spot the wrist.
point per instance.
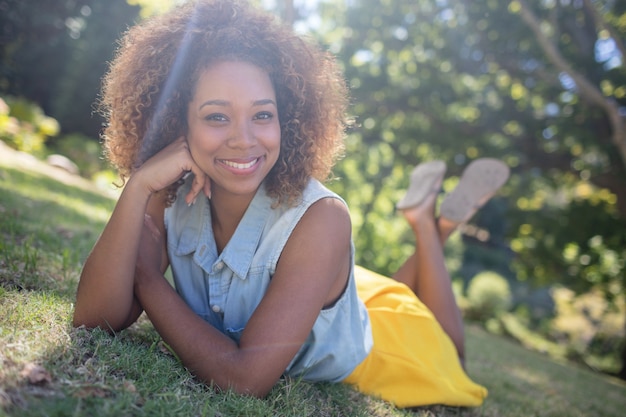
(135, 186)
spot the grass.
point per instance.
(48, 224)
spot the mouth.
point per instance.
(240, 165)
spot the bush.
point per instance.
(589, 326)
(24, 126)
(488, 296)
(84, 151)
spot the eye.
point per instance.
(264, 115)
(216, 117)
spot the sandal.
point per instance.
(425, 179)
(480, 180)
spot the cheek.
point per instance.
(202, 140)
(275, 135)
(267, 136)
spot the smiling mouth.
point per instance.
(239, 165)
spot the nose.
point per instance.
(242, 135)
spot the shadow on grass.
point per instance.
(46, 231)
(131, 374)
(524, 382)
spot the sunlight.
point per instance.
(526, 375)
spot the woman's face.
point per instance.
(234, 131)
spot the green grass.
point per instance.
(47, 227)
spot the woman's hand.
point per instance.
(170, 165)
(128, 248)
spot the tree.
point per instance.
(541, 86)
(55, 53)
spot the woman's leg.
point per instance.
(425, 271)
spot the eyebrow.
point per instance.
(225, 103)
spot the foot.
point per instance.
(479, 182)
(426, 178)
(422, 216)
(418, 205)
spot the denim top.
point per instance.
(225, 289)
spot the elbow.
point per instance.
(257, 390)
(82, 320)
(91, 321)
(245, 388)
(79, 321)
(92, 316)
(246, 383)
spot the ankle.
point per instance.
(424, 225)
(446, 226)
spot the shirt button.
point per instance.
(216, 308)
(219, 265)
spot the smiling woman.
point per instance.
(233, 128)
(224, 123)
(154, 77)
(257, 115)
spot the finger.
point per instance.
(197, 185)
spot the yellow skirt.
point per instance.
(413, 361)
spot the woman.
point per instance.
(224, 123)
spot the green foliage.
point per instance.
(585, 328)
(55, 53)
(590, 327)
(24, 126)
(462, 80)
(488, 296)
(152, 7)
(82, 150)
(591, 253)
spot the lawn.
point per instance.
(49, 221)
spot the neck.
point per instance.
(227, 210)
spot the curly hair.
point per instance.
(154, 74)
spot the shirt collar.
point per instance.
(240, 250)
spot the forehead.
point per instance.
(234, 77)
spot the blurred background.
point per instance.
(540, 84)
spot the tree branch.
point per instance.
(599, 21)
(588, 91)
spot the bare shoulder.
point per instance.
(326, 221)
(323, 234)
(318, 253)
(328, 212)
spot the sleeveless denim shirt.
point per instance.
(225, 289)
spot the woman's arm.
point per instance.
(312, 272)
(105, 296)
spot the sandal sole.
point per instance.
(480, 181)
(424, 179)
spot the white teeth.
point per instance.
(240, 166)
